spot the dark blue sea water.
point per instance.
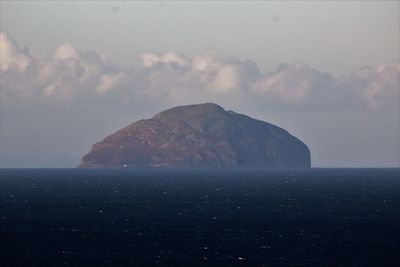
(105, 217)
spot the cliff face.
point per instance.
(203, 135)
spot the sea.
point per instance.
(158, 217)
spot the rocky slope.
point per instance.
(203, 135)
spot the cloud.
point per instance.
(295, 83)
(66, 51)
(380, 86)
(150, 59)
(11, 57)
(66, 75)
(164, 79)
(108, 81)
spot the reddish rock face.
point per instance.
(198, 136)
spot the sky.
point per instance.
(73, 72)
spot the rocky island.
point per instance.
(199, 136)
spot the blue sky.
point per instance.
(73, 72)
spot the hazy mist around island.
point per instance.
(74, 72)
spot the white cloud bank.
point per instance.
(70, 75)
(11, 57)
